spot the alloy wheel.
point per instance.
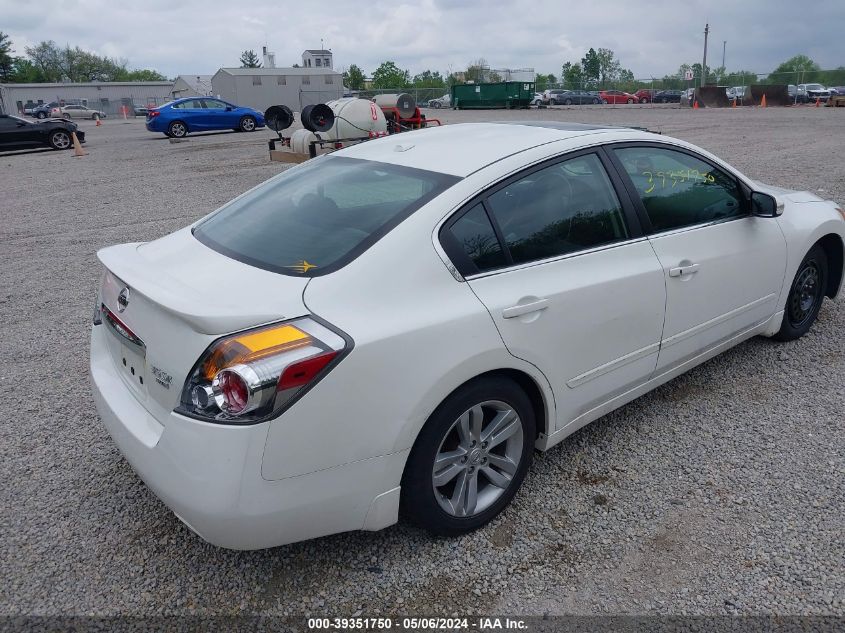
(477, 458)
(61, 140)
(248, 124)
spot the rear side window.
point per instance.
(567, 207)
(474, 233)
(678, 189)
(315, 218)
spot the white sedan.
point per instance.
(81, 112)
(394, 328)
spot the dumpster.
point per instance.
(506, 94)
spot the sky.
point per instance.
(651, 37)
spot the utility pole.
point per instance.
(724, 46)
(704, 61)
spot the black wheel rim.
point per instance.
(805, 295)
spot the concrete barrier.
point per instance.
(776, 95)
(712, 97)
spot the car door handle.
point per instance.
(525, 308)
(689, 269)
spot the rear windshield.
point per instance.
(317, 217)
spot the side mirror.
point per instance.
(764, 205)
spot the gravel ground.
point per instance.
(722, 492)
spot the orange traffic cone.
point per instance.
(99, 123)
(763, 102)
(77, 147)
(733, 103)
(695, 105)
(818, 102)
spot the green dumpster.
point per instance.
(506, 94)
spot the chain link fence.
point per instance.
(652, 91)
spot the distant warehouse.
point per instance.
(260, 88)
(192, 86)
(108, 97)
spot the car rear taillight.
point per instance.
(254, 375)
(152, 113)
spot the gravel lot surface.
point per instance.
(721, 492)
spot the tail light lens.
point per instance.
(254, 375)
(153, 113)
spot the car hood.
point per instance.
(791, 195)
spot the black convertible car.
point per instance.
(17, 133)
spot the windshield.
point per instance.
(315, 218)
(814, 87)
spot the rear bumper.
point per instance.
(210, 475)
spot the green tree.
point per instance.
(142, 74)
(429, 79)
(7, 62)
(389, 75)
(46, 58)
(477, 71)
(542, 82)
(249, 59)
(353, 78)
(591, 67)
(572, 75)
(797, 69)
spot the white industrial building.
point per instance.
(109, 97)
(317, 59)
(192, 86)
(260, 88)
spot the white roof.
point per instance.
(278, 71)
(462, 149)
(199, 83)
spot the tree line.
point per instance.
(48, 62)
(597, 69)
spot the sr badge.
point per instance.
(161, 376)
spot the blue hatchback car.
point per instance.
(200, 114)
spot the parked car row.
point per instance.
(56, 109)
(558, 96)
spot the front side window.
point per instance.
(567, 207)
(214, 104)
(315, 218)
(678, 189)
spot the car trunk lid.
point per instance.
(179, 296)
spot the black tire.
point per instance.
(805, 297)
(247, 124)
(595, 101)
(552, 102)
(41, 115)
(630, 101)
(567, 102)
(644, 100)
(177, 129)
(60, 139)
(419, 501)
(436, 105)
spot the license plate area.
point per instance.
(128, 352)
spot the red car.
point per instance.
(617, 96)
(644, 95)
